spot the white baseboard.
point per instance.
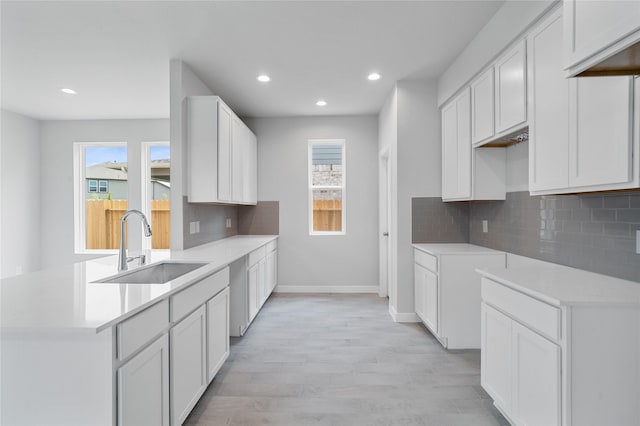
(326, 289)
(403, 316)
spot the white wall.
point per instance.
(510, 21)
(419, 170)
(19, 194)
(182, 83)
(337, 263)
(518, 167)
(409, 125)
(56, 179)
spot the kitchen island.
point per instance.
(76, 351)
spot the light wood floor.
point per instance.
(341, 360)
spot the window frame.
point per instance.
(106, 187)
(95, 184)
(311, 187)
(79, 179)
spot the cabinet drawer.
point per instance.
(257, 255)
(425, 259)
(539, 315)
(133, 333)
(271, 246)
(189, 299)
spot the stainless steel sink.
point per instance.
(157, 273)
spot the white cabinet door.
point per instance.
(225, 142)
(536, 378)
(431, 300)
(456, 148)
(271, 271)
(238, 149)
(511, 89)
(217, 332)
(600, 126)
(188, 364)
(594, 27)
(482, 107)
(419, 283)
(495, 345)
(263, 291)
(250, 169)
(253, 283)
(548, 106)
(143, 387)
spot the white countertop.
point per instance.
(561, 285)
(454, 248)
(66, 297)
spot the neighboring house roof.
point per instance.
(99, 171)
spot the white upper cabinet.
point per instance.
(482, 102)
(581, 136)
(599, 30)
(221, 153)
(511, 90)
(468, 173)
(549, 103)
(456, 148)
(499, 98)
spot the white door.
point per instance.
(188, 364)
(225, 118)
(536, 378)
(495, 352)
(384, 225)
(143, 387)
(600, 131)
(548, 107)
(511, 89)
(217, 332)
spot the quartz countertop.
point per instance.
(564, 286)
(67, 297)
(437, 249)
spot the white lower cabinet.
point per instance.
(188, 364)
(447, 290)
(143, 387)
(253, 279)
(217, 332)
(565, 363)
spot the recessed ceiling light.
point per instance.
(374, 76)
(321, 103)
(264, 78)
(68, 91)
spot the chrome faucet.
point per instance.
(123, 260)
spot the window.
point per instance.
(156, 192)
(99, 207)
(327, 207)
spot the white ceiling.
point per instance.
(116, 54)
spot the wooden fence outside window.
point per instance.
(103, 223)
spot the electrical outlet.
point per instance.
(228, 222)
(194, 227)
(638, 241)
(485, 226)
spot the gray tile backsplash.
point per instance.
(595, 232)
(436, 222)
(261, 219)
(212, 219)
